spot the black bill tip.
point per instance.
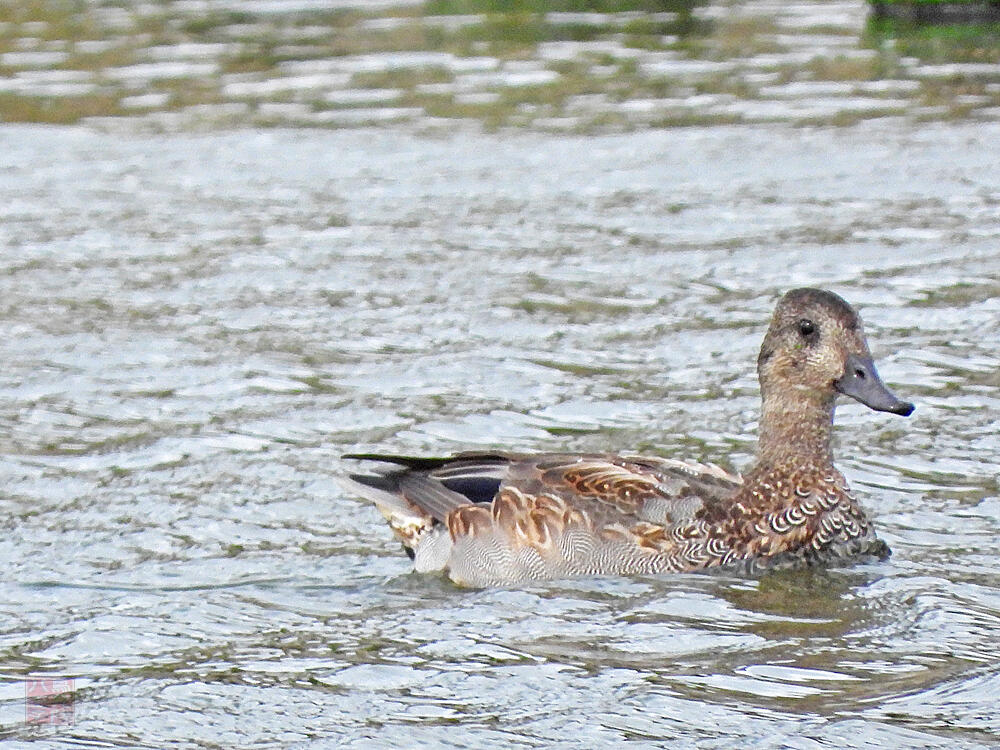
(904, 409)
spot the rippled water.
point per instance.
(548, 64)
(197, 325)
(195, 328)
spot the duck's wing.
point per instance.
(471, 493)
(621, 489)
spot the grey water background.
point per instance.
(200, 316)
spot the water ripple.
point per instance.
(199, 325)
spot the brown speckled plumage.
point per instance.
(500, 518)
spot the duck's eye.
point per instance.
(807, 327)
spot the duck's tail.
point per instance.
(408, 522)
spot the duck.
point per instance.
(497, 518)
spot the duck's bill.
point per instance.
(861, 381)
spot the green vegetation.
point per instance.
(938, 42)
(933, 2)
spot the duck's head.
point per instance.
(816, 348)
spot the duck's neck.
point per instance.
(795, 428)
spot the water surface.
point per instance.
(195, 328)
(199, 319)
(561, 65)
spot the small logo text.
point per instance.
(48, 700)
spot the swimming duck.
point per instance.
(497, 518)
